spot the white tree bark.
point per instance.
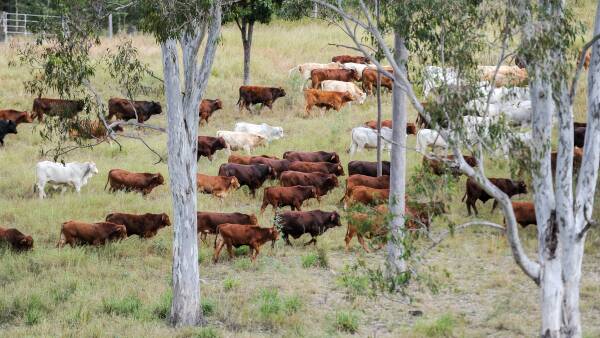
(396, 264)
(182, 118)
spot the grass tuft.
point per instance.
(130, 306)
(442, 327)
(346, 321)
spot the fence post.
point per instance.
(110, 26)
(25, 24)
(3, 20)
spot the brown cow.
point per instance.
(91, 129)
(325, 99)
(312, 156)
(208, 221)
(524, 213)
(74, 232)
(369, 79)
(319, 75)
(15, 116)
(317, 167)
(579, 136)
(314, 223)
(440, 166)
(366, 195)
(474, 192)
(381, 182)
(125, 109)
(368, 168)
(411, 129)
(323, 182)
(208, 145)
(369, 225)
(266, 96)
(55, 107)
(277, 165)
(243, 234)
(350, 59)
(586, 59)
(145, 225)
(218, 186)
(291, 196)
(207, 108)
(16, 239)
(120, 179)
(577, 159)
(252, 175)
(239, 159)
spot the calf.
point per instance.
(253, 176)
(125, 109)
(411, 129)
(367, 224)
(236, 235)
(323, 182)
(74, 174)
(120, 179)
(314, 156)
(362, 137)
(208, 145)
(145, 226)
(291, 196)
(6, 127)
(236, 140)
(270, 133)
(524, 213)
(317, 167)
(16, 116)
(218, 186)
(208, 221)
(381, 182)
(55, 107)
(207, 108)
(366, 195)
(367, 168)
(474, 192)
(319, 75)
(341, 87)
(369, 79)
(16, 239)
(266, 96)
(440, 167)
(315, 223)
(74, 232)
(350, 59)
(325, 99)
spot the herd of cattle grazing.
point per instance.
(301, 175)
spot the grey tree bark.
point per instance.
(247, 29)
(182, 118)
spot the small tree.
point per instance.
(245, 14)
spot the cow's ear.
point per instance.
(332, 217)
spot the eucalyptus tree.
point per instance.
(563, 201)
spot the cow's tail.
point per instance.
(61, 237)
(464, 196)
(107, 180)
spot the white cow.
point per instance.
(358, 67)
(305, 68)
(237, 140)
(434, 76)
(519, 113)
(341, 86)
(429, 138)
(363, 137)
(75, 174)
(270, 133)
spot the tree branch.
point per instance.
(584, 50)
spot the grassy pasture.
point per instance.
(469, 287)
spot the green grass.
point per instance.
(123, 289)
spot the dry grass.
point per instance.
(123, 289)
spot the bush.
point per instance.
(128, 306)
(318, 259)
(442, 327)
(34, 311)
(163, 308)
(208, 306)
(230, 283)
(275, 309)
(346, 321)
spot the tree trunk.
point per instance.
(185, 309)
(396, 264)
(247, 29)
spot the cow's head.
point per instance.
(26, 243)
(333, 179)
(362, 96)
(234, 183)
(217, 104)
(355, 75)
(347, 97)
(278, 92)
(119, 232)
(339, 170)
(278, 132)
(157, 179)
(164, 218)
(79, 105)
(334, 220)
(219, 144)
(24, 117)
(315, 193)
(521, 187)
(253, 219)
(335, 158)
(92, 168)
(11, 127)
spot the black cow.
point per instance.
(6, 127)
(474, 192)
(126, 110)
(367, 168)
(253, 175)
(315, 223)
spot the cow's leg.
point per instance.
(361, 240)
(218, 249)
(263, 207)
(287, 239)
(230, 250)
(313, 240)
(270, 105)
(494, 205)
(40, 187)
(255, 253)
(475, 207)
(348, 238)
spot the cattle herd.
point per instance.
(301, 175)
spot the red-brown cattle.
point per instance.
(74, 232)
(236, 235)
(323, 182)
(55, 107)
(367, 224)
(120, 179)
(277, 165)
(16, 116)
(288, 196)
(381, 182)
(524, 213)
(411, 129)
(266, 96)
(577, 159)
(369, 80)
(125, 109)
(474, 192)
(325, 99)
(368, 168)
(218, 186)
(440, 167)
(208, 145)
(91, 130)
(319, 75)
(16, 239)
(253, 175)
(366, 195)
(312, 156)
(350, 59)
(317, 167)
(314, 223)
(208, 221)
(144, 225)
(207, 108)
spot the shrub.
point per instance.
(128, 306)
(442, 327)
(318, 259)
(163, 307)
(34, 311)
(270, 303)
(230, 283)
(292, 304)
(346, 321)
(208, 306)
